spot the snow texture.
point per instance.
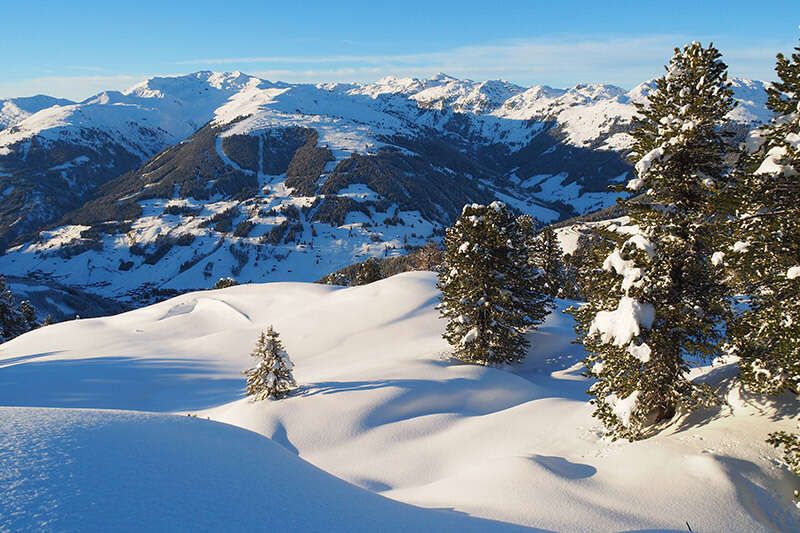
(378, 408)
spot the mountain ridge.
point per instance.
(176, 181)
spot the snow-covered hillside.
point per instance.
(92, 470)
(54, 153)
(381, 407)
(293, 181)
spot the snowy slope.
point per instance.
(381, 408)
(89, 470)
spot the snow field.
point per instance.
(381, 407)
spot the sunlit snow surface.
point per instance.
(380, 407)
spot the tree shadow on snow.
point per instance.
(724, 380)
(117, 383)
(280, 436)
(563, 468)
(25, 358)
(418, 397)
(759, 501)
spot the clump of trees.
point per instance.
(426, 257)
(712, 220)
(224, 283)
(15, 319)
(272, 375)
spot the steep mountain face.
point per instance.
(55, 153)
(272, 181)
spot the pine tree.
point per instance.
(578, 263)
(28, 313)
(272, 376)
(490, 295)
(655, 300)
(427, 257)
(766, 253)
(367, 272)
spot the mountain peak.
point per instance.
(441, 77)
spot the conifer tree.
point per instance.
(765, 254)
(655, 301)
(28, 313)
(490, 295)
(272, 376)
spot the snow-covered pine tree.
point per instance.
(765, 252)
(490, 295)
(272, 376)
(543, 259)
(655, 300)
(28, 313)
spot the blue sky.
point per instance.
(77, 48)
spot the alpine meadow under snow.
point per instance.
(379, 406)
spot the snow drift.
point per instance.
(90, 470)
(381, 407)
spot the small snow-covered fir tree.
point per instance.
(765, 247)
(490, 295)
(272, 376)
(655, 300)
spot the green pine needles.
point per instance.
(272, 376)
(765, 254)
(654, 299)
(490, 295)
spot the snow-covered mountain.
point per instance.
(55, 153)
(15, 110)
(380, 407)
(178, 181)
